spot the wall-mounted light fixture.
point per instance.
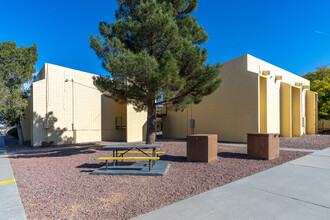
(305, 87)
(298, 84)
(266, 72)
(278, 77)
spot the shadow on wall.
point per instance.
(44, 129)
(144, 132)
(110, 110)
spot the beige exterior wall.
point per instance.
(136, 121)
(109, 130)
(296, 112)
(26, 122)
(230, 112)
(286, 110)
(256, 65)
(67, 108)
(311, 112)
(263, 104)
(247, 101)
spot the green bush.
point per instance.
(13, 132)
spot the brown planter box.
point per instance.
(202, 147)
(263, 145)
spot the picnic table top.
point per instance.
(130, 146)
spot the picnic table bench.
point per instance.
(120, 150)
(127, 158)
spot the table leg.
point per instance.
(114, 155)
(117, 156)
(154, 155)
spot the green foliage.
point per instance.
(16, 68)
(13, 132)
(153, 52)
(320, 83)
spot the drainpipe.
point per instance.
(72, 112)
(46, 125)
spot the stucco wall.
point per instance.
(26, 121)
(136, 125)
(247, 101)
(68, 108)
(230, 112)
(256, 65)
(111, 110)
(285, 110)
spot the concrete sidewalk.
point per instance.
(299, 189)
(10, 201)
(281, 148)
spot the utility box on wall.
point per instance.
(263, 145)
(202, 147)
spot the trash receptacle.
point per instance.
(202, 147)
(263, 145)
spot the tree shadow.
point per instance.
(236, 156)
(45, 129)
(53, 153)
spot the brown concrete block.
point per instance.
(263, 145)
(202, 147)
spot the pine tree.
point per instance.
(154, 55)
(16, 68)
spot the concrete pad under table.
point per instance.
(135, 168)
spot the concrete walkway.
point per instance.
(299, 189)
(10, 202)
(281, 148)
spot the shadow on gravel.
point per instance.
(89, 167)
(55, 153)
(237, 156)
(173, 158)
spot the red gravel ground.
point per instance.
(315, 142)
(59, 184)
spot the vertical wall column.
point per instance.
(296, 112)
(286, 111)
(316, 113)
(263, 104)
(311, 121)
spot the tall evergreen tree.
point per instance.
(16, 68)
(154, 55)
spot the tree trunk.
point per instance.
(20, 133)
(151, 123)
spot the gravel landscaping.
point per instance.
(59, 184)
(315, 142)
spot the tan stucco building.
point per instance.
(254, 96)
(65, 107)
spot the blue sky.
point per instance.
(291, 34)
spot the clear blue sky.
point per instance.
(291, 34)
